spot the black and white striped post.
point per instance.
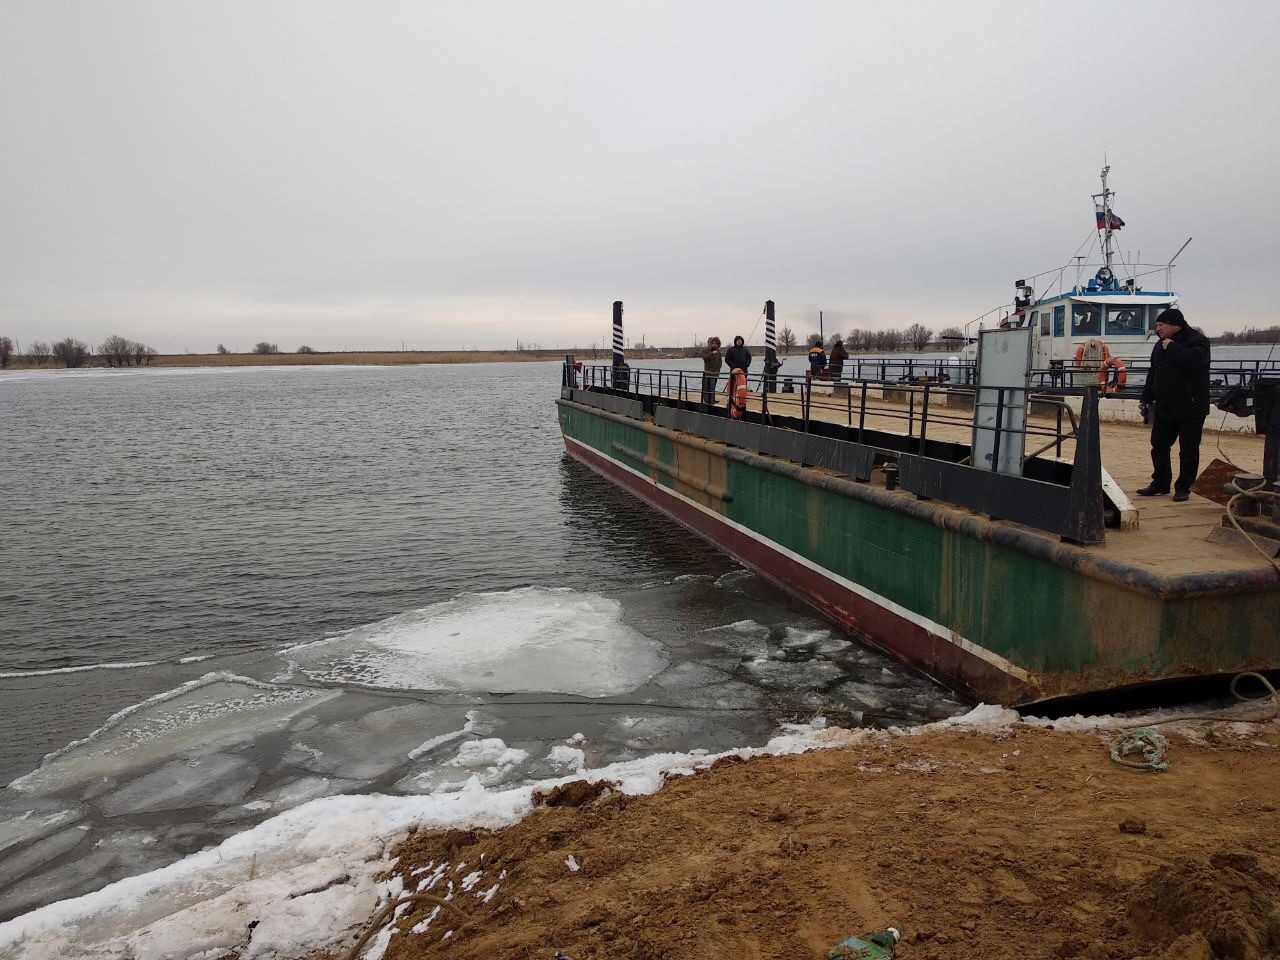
(771, 363)
(621, 372)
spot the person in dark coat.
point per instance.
(738, 357)
(711, 362)
(1177, 394)
(835, 363)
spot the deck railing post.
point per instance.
(621, 372)
(771, 363)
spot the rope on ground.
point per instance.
(1250, 495)
(1145, 741)
(1149, 744)
(388, 909)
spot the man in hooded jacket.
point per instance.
(738, 357)
(1177, 389)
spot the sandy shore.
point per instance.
(1027, 843)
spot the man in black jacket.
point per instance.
(738, 357)
(1178, 387)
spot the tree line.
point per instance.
(115, 351)
(915, 337)
(1249, 335)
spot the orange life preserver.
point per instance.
(737, 390)
(1104, 375)
(1097, 350)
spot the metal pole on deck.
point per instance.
(621, 372)
(771, 363)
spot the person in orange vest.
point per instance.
(817, 359)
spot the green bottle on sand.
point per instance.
(876, 945)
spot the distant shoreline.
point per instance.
(332, 358)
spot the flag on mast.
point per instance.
(1116, 222)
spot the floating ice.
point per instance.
(820, 640)
(527, 640)
(746, 638)
(702, 686)
(210, 780)
(568, 758)
(781, 675)
(374, 744)
(27, 822)
(216, 710)
(485, 763)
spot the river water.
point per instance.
(228, 591)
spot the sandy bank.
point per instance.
(1020, 844)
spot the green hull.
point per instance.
(1002, 613)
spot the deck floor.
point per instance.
(1171, 538)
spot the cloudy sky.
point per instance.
(459, 174)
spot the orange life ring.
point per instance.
(737, 390)
(1104, 375)
(1106, 354)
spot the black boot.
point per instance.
(1151, 490)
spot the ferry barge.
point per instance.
(980, 533)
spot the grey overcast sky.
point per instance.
(458, 174)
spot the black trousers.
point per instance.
(709, 388)
(1164, 431)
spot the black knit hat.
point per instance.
(1173, 317)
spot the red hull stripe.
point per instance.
(900, 632)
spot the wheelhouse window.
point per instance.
(1124, 321)
(1059, 321)
(1044, 322)
(1154, 311)
(1086, 320)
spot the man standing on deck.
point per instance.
(738, 357)
(817, 358)
(710, 370)
(835, 364)
(1178, 387)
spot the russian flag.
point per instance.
(1116, 222)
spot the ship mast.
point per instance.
(1106, 196)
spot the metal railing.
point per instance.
(915, 405)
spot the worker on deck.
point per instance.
(1177, 396)
(711, 362)
(817, 358)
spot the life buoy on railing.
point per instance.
(1104, 375)
(737, 393)
(1092, 351)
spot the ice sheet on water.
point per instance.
(31, 858)
(207, 780)
(703, 686)
(801, 675)
(818, 640)
(216, 710)
(24, 820)
(369, 746)
(745, 638)
(288, 795)
(485, 763)
(533, 639)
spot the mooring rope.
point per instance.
(1151, 745)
